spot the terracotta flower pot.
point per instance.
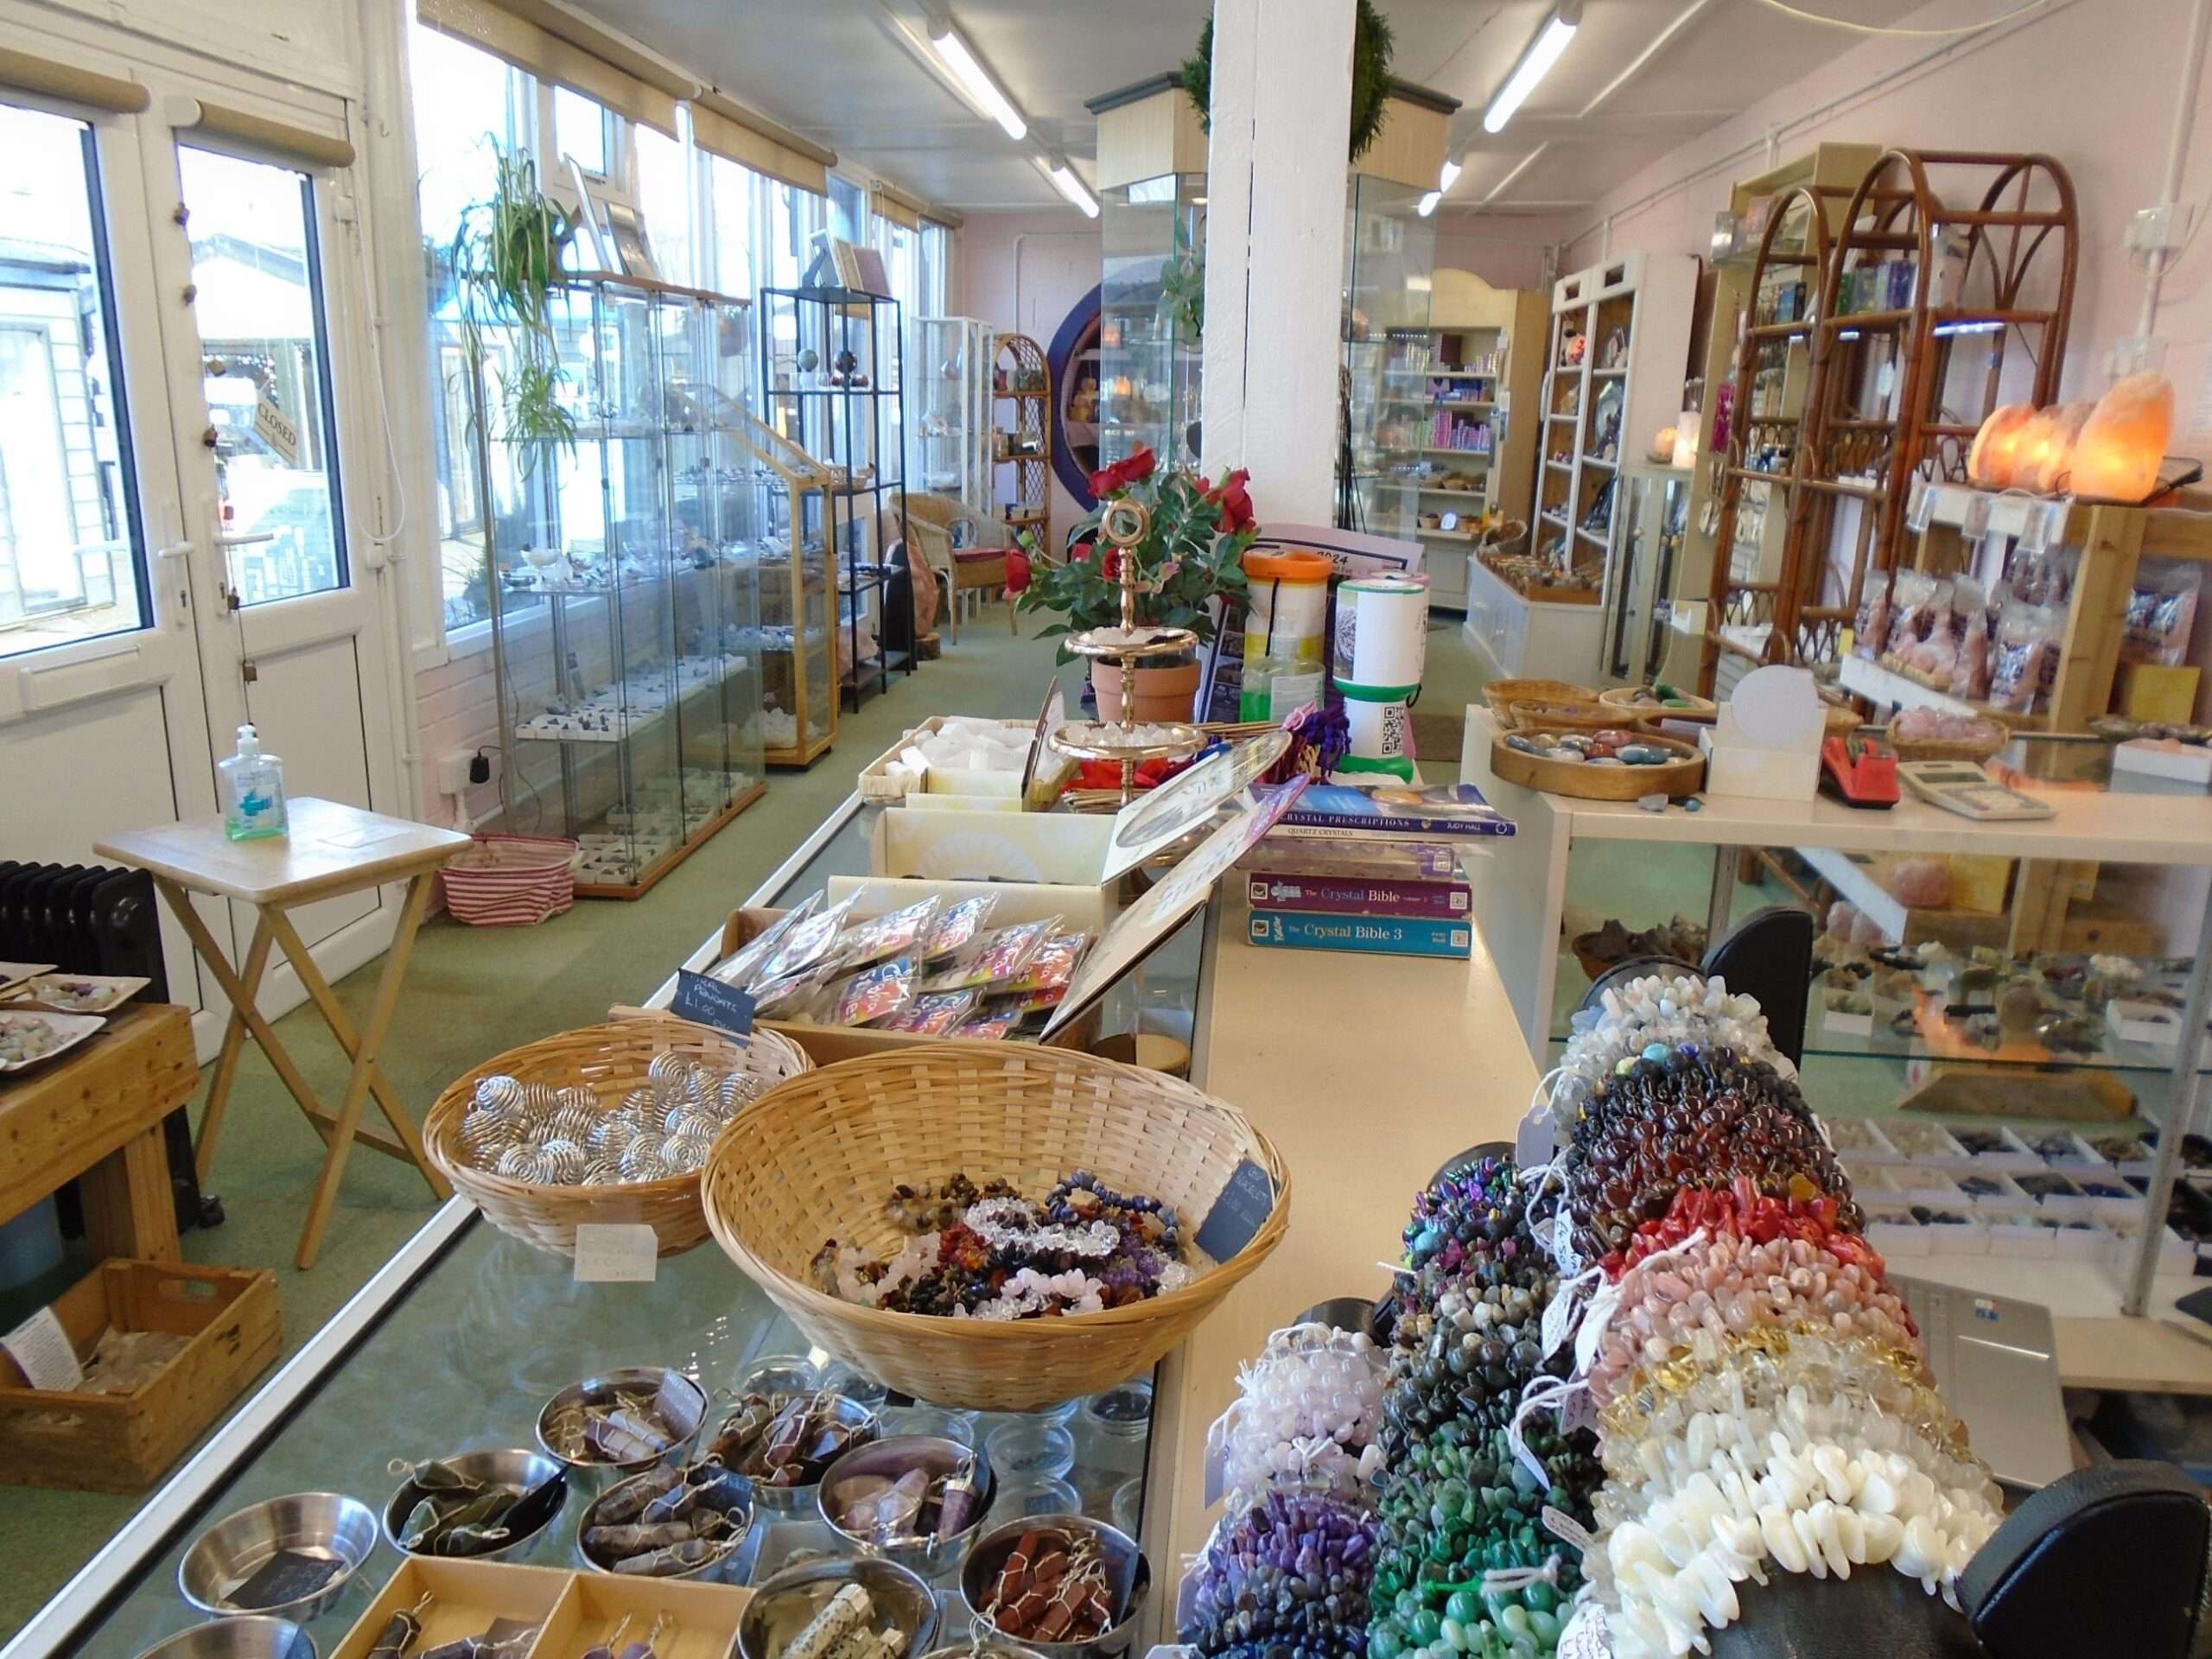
(1166, 693)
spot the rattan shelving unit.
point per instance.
(1021, 401)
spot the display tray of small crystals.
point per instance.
(991, 1230)
(606, 1124)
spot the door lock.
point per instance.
(209, 438)
(248, 673)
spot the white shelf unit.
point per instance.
(1510, 632)
(1601, 411)
(949, 443)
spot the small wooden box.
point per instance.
(123, 1442)
(573, 1611)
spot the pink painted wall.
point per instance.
(1504, 250)
(2085, 81)
(1020, 273)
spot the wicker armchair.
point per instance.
(933, 521)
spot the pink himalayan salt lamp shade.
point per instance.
(2044, 471)
(1997, 446)
(2117, 456)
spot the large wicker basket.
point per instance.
(610, 1061)
(816, 1158)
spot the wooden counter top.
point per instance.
(1367, 1072)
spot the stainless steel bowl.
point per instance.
(799, 1499)
(710, 1570)
(248, 1636)
(517, 1468)
(990, 1648)
(1124, 1563)
(890, 1458)
(325, 1525)
(685, 1399)
(783, 1605)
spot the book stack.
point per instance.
(1379, 871)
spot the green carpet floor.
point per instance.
(471, 993)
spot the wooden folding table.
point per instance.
(331, 850)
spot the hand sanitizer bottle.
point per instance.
(253, 791)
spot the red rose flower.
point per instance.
(1017, 571)
(1111, 569)
(1112, 480)
(1082, 551)
(1234, 501)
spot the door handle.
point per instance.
(245, 541)
(179, 554)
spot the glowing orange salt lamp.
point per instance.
(1663, 446)
(1997, 446)
(2046, 469)
(2117, 456)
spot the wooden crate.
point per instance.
(573, 1611)
(123, 1442)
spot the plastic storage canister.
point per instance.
(1286, 626)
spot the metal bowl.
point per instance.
(705, 1570)
(781, 1606)
(799, 1498)
(992, 1649)
(325, 1525)
(1353, 1313)
(1116, 1547)
(891, 1459)
(252, 1636)
(685, 1398)
(518, 1468)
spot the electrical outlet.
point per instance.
(452, 771)
(2161, 229)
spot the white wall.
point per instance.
(1020, 273)
(1504, 250)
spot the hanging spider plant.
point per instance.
(506, 261)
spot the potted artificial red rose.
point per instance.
(1192, 554)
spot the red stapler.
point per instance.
(1859, 771)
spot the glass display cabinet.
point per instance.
(949, 449)
(1390, 429)
(623, 574)
(1151, 313)
(833, 386)
(1642, 569)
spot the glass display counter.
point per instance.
(459, 1342)
(1395, 418)
(1152, 237)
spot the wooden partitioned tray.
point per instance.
(1585, 782)
(1502, 693)
(573, 1611)
(1703, 710)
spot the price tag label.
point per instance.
(2044, 522)
(1976, 522)
(1239, 1213)
(616, 1253)
(1586, 1636)
(44, 1351)
(708, 1002)
(1565, 1528)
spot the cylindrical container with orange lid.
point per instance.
(1286, 629)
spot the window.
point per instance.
(469, 106)
(71, 560)
(848, 215)
(664, 197)
(733, 191)
(580, 132)
(257, 275)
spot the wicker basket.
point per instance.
(1503, 694)
(610, 1061)
(1699, 710)
(1562, 714)
(1975, 751)
(815, 1159)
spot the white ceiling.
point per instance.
(856, 75)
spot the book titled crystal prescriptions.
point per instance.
(1392, 810)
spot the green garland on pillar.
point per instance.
(1370, 76)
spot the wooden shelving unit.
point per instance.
(1611, 377)
(800, 591)
(1021, 401)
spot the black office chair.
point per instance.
(1768, 955)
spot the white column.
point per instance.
(1275, 248)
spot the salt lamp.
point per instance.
(1989, 463)
(1662, 445)
(2032, 449)
(2047, 472)
(1686, 439)
(2117, 456)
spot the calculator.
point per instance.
(1957, 786)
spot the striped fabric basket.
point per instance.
(510, 880)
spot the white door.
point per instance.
(186, 506)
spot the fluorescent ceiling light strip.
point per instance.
(1535, 63)
(1447, 175)
(1427, 204)
(1066, 181)
(982, 87)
